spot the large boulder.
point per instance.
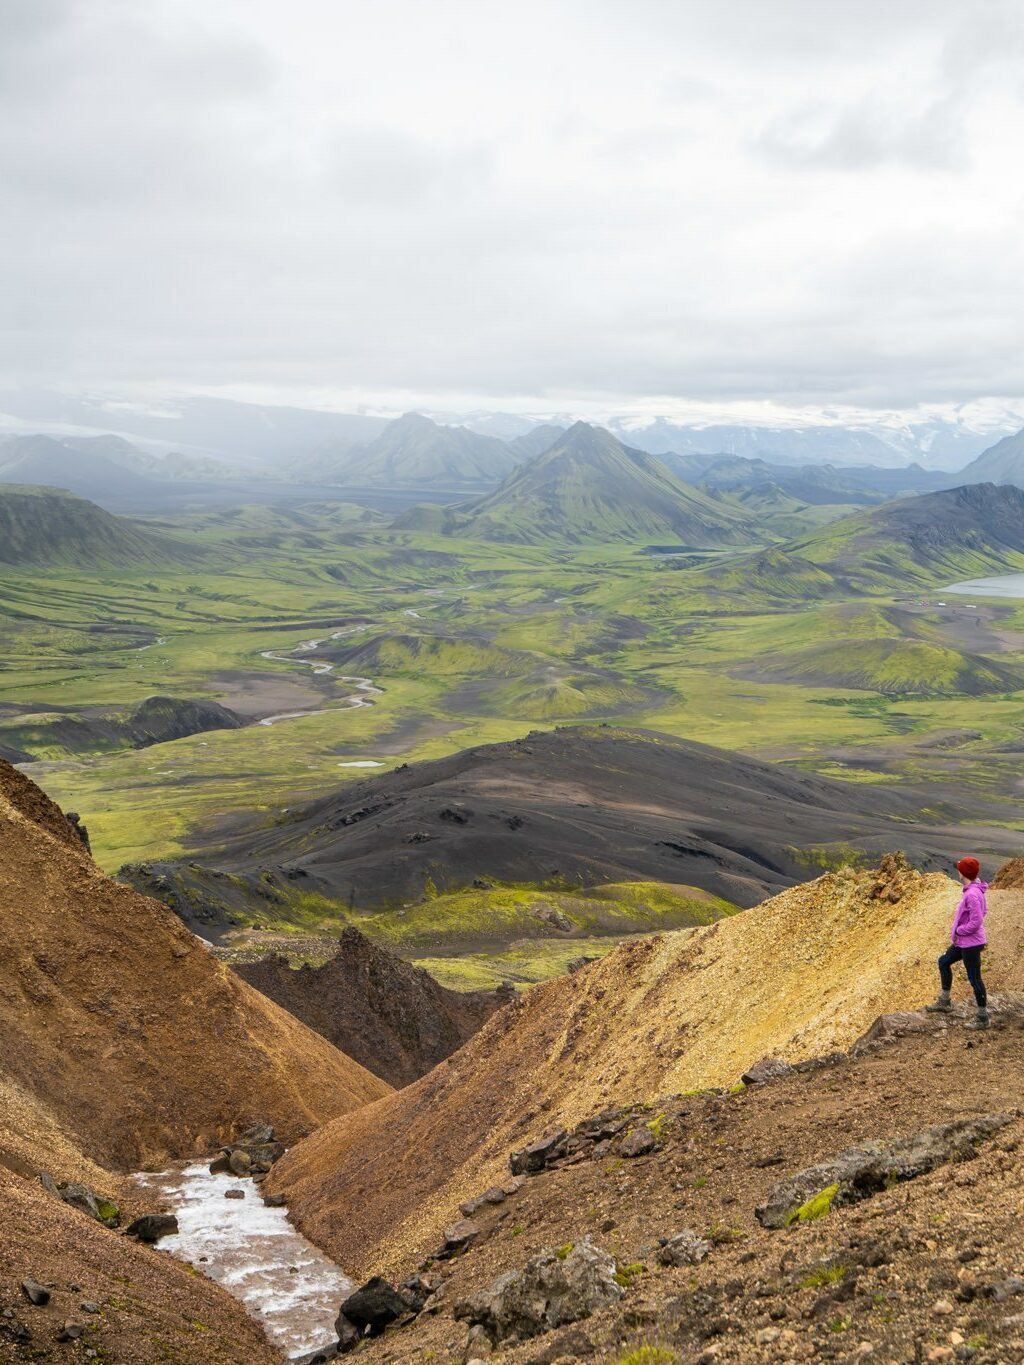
(871, 1167)
(372, 1308)
(553, 1289)
(767, 1069)
(86, 1200)
(150, 1227)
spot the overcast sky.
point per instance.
(467, 203)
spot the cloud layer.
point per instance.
(583, 200)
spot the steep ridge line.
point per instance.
(801, 974)
(391, 1017)
(108, 1001)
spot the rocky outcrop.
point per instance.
(393, 1018)
(252, 1153)
(552, 1289)
(631, 1132)
(862, 1171)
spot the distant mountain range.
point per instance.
(414, 456)
(414, 450)
(938, 445)
(250, 434)
(275, 437)
(814, 484)
(588, 486)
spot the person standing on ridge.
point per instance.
(968, 943)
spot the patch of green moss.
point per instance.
(650, 1355)
(626, 1275)
(659, 1126)
(563, 1251)
(824, 1275)
(817, 1206)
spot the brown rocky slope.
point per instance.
(124, 1043)
(802, 974)
(918, 1259)
(392, 1017)
(122, 1027)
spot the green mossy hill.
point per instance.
(479, 917)
(894, 667)
(915, 542)
(500, 681)
(589, 487)
(415, 450)
(157, 720)
(438, 655)
(551, 695)
(48, 527)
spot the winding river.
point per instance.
(365, 688)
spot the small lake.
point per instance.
(1001, 585)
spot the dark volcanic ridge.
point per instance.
(576, 806)
(33, 733)
(391, 1017)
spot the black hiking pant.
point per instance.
(971, 958)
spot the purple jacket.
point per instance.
(969, 921)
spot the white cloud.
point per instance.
(557, 204)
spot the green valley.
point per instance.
(294, 650)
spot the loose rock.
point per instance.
(37, 1294)
(373, 1307)
(862, 1171)
(767, 1069)
(685, 1248)
(550, 1291)
(536, 1155)
(152, 1226)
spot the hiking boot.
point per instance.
(980, 1020)
(943, 1004)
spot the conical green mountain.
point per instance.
(590, 487)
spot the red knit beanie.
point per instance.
(969, 868)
